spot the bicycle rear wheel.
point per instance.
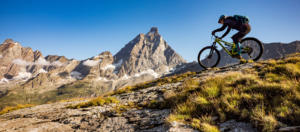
(208, 57)
(252, 48)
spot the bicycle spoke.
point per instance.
(208, 57)
(251, 49)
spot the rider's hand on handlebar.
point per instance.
(217, 37)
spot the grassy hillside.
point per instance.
(267, 95)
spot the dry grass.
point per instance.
(125, 107)
(73, 99)
(266, 95)
(13, 108)
(99, 101)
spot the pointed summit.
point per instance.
(147, 53)
(8, 41)
(154, 30)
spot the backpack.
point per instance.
(241, 19)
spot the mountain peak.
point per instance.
(8, 41)
(154, 29)
(146, 52)
(153, 33)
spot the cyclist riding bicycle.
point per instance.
(240, 23)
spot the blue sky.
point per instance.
(83, 28)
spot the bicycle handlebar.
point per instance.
(216, 36)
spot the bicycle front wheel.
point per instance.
(208, 57)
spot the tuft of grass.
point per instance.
(124, 107)
(283, 111)
(205, 127)
(191, 84)
(99, 101)
(271, 77)
(259, 118)
(201, 100)
(13, 108)
(72, 99)
(177, 117)
(293, 60)
(155, 104)
(289, 70)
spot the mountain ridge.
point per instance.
(34, 73)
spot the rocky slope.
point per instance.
(150, 106)
(130, 114)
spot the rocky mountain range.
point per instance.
(146, 57)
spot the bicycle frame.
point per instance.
(220, 41)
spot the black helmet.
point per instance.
(221, 18)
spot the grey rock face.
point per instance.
(147, 51)
(234, 126)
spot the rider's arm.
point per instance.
(219, 29)
(227, 31)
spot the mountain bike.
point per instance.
(209, 57)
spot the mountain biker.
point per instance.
(239, 23)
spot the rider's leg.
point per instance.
(245, 29)
(236, 39)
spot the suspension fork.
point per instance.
(212, 50)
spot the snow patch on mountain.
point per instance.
(21, 62)
(109, 66)
(91, 63)
(119, 63)
(42, 71)
(169, 70)
(149, 71)
(113, 66)
(23, 76)
(76, 75)
(4, 80)
(103, 79)
(57, 63)
(40, 61)
(125, 77)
